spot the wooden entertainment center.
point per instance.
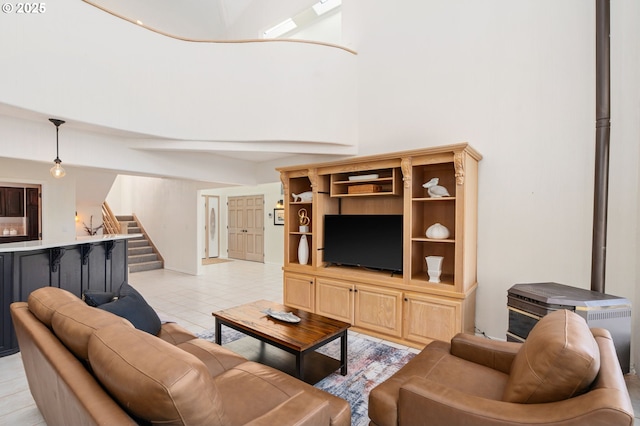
(405, 307)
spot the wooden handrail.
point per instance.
(111, 224)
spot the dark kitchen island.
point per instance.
(97, 263)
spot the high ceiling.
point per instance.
(212, 20)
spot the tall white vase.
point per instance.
(434, 268)
(303, 250)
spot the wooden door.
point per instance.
(254, 228)
(246, 227)
(236, 220)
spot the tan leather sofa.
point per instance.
(86, 366)
(563, 374)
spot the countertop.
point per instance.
(43, 244)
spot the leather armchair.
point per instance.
(564, 374)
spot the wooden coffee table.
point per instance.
(285, 339)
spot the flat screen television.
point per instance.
(368, 241)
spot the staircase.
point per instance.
(142, 255)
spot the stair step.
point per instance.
(134, 251)
(145, 266)
(138, 244)
(141, 255)
(142, 258)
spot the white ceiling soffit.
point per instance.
(254, 151)
(263, 146)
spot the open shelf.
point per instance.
(380, 182)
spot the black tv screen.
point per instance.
(369, 241)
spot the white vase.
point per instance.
(434, 268)
(437, 231)
(303, 250)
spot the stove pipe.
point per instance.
(603, 126)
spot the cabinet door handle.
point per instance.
(310, 282)
(406, 300)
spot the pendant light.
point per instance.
(57, 171)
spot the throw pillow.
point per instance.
(131, 305)
(96, 298)
(559, 360)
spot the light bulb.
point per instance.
(57, 171)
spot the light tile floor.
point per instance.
(189, 300)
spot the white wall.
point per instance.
(168, 211)
(517, 81)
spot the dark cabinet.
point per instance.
(6, 328)
(33, 213)
(98, 265)
(11, 202)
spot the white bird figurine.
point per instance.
(303, 196)
(435, 190)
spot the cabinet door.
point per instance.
(430, 318)
(14, 202)
(32, 213)
(299, 291)
(6, 329)
(379, 310)
(334, 299)
(3, 196)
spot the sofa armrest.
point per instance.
(175, 334)
(301, 409)
(425, 402)
(491, 353)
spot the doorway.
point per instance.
(211, 226)
(246, 227)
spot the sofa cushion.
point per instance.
(74, 323)
(216, 358)
(559, 359)
(131, 305)
(264, 388)
(44, 301)
(175, 334)
(153, 379)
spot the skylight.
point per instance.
(282, 28)
(324, 6)
(304, 19)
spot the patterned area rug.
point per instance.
(369, 363)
